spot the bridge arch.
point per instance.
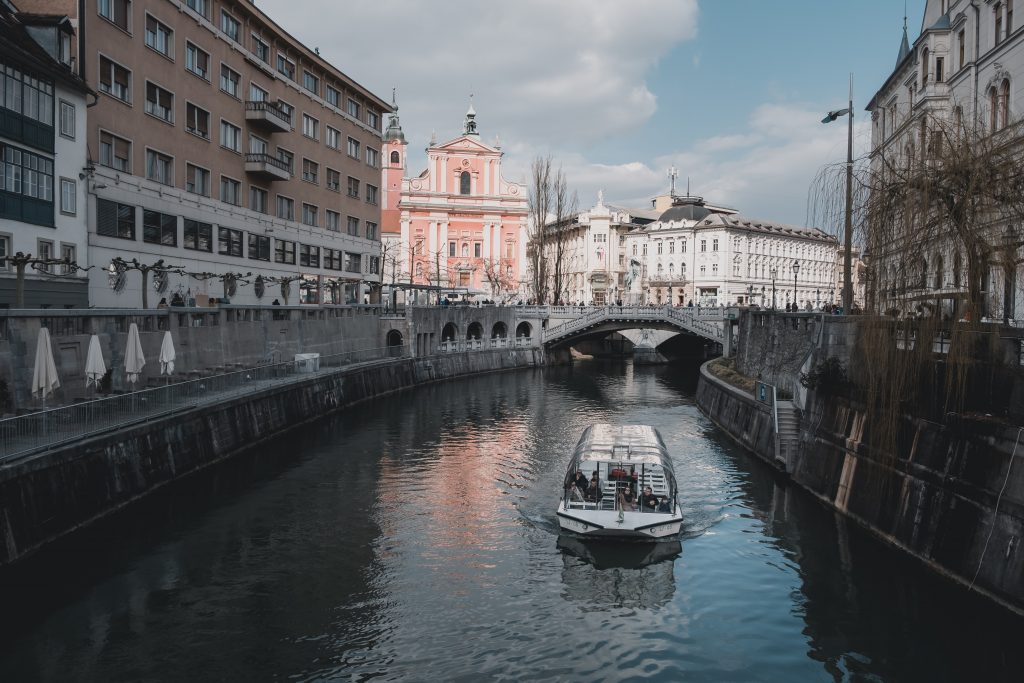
(475, 330)
(499, 331)
(449, 332)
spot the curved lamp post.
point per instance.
(848, 234)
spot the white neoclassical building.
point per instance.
(966, 66)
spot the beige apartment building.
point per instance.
(223, 146)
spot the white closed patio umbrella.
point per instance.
(95, 368)
(44, 373)
(133, 358)
(167, 356)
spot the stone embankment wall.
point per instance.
(48, 495)
(951, 496)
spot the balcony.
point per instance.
(267, 167)
(268, 116)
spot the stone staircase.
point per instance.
(788, 432)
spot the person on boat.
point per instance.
(663, 506)
(594, 488)
(648, 501)
(626, 498)
(580, 481)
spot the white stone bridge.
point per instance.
(568, 324)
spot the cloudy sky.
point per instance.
(729, 91)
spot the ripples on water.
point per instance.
(414, 538)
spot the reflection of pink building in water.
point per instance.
(457, 224)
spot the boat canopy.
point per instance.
(639, 444)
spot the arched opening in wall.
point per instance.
(395, 158)
(474, 331)
(394, 343)
(524, 329)
(464, 182)
(449, 332)
(499, 331)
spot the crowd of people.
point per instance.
(590, 490)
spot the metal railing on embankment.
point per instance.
(48, 428)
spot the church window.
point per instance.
(395, 159)
(464, 183)
(1004, 103)
(938, 70)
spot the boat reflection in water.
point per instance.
(626, 574)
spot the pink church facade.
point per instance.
(459, 224)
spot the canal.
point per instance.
(414, 539)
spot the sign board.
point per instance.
(763, 392)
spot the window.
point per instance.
(333, 180)
(200, 7)
(353, 226)
(671, 247)
(1009, 17)
(333, 221)
(1004, 102)
(371, 231)
(285, 208)
(257, 94)
(159, 167)
(229, 242)
(353, 262)
(229, 80)
(332, 259)
(259, 247)
(115, 152)
(310, 127)
(333, 139)
(939, 76)
(68, 196)
(286, 67)
(159, 228)
(68, 255)
(353, 187)
(159, 36)
(44, 249)
(309, 256)
(197, 121)
(230, 191)
(703, 245)
(116, 12)
(371, 194)
(159, 102)
(115, 220)
(353, 148)
(197, 180)
(230, 26)
(452, 249)
(396, 158)
(332, 95)
(261, 49)
(660, 247)
(197, 61)
(115, 80)
(287, 158)
(198, 236)
(257, 145)
(310, 171)
(373, 119)
(372, 157)
(26, 95)
(310, 214)
(476, 249)
(287, 110)
(464, 182)
(714, 244)
(230, 136)
(310, 82)
(352, 107)
(998, 9)
(258, 199)
(961, 40)
(993, 109)
(284, 252)
(67, 119)
(924, 67)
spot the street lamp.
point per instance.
(796, 271)
(762, 295)
(848, 236)
(773, 272)
(817, 298)
(750, 294)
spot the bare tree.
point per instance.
(498, 278)
(564, 210)
(21, 261)
(552, 211)
(391, 262)
(157, 268)
(540, 204)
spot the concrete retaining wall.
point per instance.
(953, 497)
(51, 494)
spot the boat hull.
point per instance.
(612, 524)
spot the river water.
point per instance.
(414, 538)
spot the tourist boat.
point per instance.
(624, 458)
